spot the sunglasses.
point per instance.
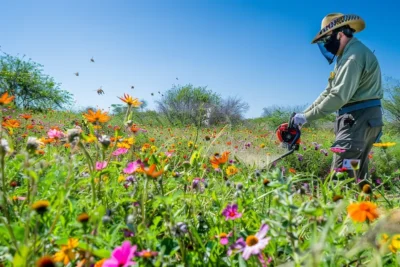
(325, 39)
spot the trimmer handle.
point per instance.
(290, 124)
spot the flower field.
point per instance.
(94, 189)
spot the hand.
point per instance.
(299, 119)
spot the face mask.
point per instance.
(329, 49)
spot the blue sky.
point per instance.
(259, 51)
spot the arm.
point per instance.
(318, 100)
(347, 81)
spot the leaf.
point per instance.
(242, 263)
(21, 257)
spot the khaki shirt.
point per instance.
(356, 77)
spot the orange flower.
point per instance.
(11, 123)
(5, 99)
(26, 116)
(292, 170)
(152, 139)
(216, 160)
(96, 116)
(131, 101)
(360, 212)
(100, 263)
(29, 126)
(151, 171)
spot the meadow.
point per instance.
(93, 189)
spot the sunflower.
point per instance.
(360, 212)
(131, 101)
(45, 261)
(97, 116)
(231, 170)
(5, 99)
(66, 254)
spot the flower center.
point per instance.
(251, 240)
(232, 213)
(223, 235)
(146, 254)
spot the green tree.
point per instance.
(391, 102)
(31, 87)
(187, 104)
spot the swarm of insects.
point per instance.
(100, 91)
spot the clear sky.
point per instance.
(259, 51)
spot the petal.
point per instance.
(247, 253)
(224, 241)
(111, 263)
(263, 231)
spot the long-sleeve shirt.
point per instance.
(356, 77)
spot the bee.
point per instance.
(132, 87)
(176, 78)
(76, 73)
(92, 60)
(100, 91)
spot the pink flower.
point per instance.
(337, 150)
(256, 243)
(168, 154)
(120, 151)
(231, 213)
(223, 238)
(133, 166)
(101, 165)
(55, 134)
(121, 256)
(147, 253)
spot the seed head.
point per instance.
(40, 206)
(83, 218)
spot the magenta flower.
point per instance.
(223, 238)
(121, 256)
(337, 150)
(146, 253)
(55, 134)
(101, 165)
(133, 166)
(231, 212)
(256, 243)
(120, 151)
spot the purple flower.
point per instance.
(133, 166)
(337, 150)
(101, 165)
(300, 157)
(323, 151)
(121, 256)
(378, 181)
(120, 151)
(231, 212)
(239, 245)
(256, 243)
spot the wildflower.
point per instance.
(299, 157)
(367, 189)
(384, 145)
(256, 243)
(355, 164)
(101, 165)
(5, 99)
(33, 144)
(217, 160)
(262, 145)
(40, 206)
(120, 151)
(395, 244)
(151, 171)
(46, 261)
(207, 138)
(83, 218)
(11, 123)
(238, 246)
(292, 170)
(26, 116)
(223, 238)
(95, 117)
(323, 151)
(145, 147)
(67, 254)
(231, 170)
(190, 144)
(55, 134)
(343, 169)
(147, 254)
(239, 186)
(266, 182)
(231, 212)
(360, 212)
(100, 263)
(133, 166)
(180, 229)
(337, 150)
(4, 147)
(128, 233)
(131, 101)
(105, 141)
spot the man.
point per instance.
(354, 91)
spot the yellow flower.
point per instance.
(384, 145)
(262, 145)
(126, 143)
(121, 178)
(66, 254)
(91, 138)
(231, 170)
(190, 144)
(145, 147)
(395, 244)
(131, 101)
(153, 149)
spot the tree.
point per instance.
(231, 110)
(32, 89)
(187, 104)
(391, 102)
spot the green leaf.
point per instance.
(21, 257)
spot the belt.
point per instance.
(359, 105)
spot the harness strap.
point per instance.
(360, 105)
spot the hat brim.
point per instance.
(355, 22)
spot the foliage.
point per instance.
(391, 102)
(32, 88)
(231, 111)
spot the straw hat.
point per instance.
(336, 20)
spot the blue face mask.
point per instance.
(328, 55)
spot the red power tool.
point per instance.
(289, 136)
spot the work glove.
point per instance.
(299, 119)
